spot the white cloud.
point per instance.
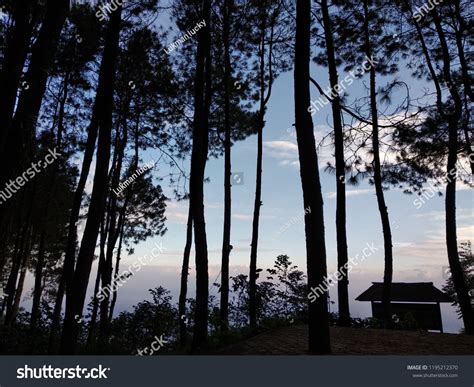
(351, 192)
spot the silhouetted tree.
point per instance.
(319, 340)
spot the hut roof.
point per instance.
(406, 291)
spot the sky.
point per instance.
(418, 233)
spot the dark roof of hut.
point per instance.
(407, 292)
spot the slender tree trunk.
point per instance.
(51, 181)
(466, 79)
(452, 118)
(460, 286)
(319, 340)
(459, 34)
(342, 254)
(198, 165)
(10, 318)
(184, 280)
(21, 136)
(258, 180)
(112, 232)
(116, 273)
(35, 309)
(69, 259)
(13, 63)
(462, 290)
(17, 260)
(226, 246)
(92, 334)
(255, 227)
(387, 233)
(15, 269)
(16, 249)
(76, 294)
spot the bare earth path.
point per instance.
(354, 341)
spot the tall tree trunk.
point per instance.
(258, 180)
(255, 227)
(319, 340)
(51, 181)
(21, 135)
(459, 34)
(387, 233)
(341, 235)
(113, 233)
(16, 249)
(466, 79)
(92, 334)
(13, 63)
(226, 246)
(452, 118)
(116, 272)
(17, 259)
(460, 286)
(462, 289)
(70, 254)
(184, 280)
(15, 269)
(76, 294)
(198, 166)
(11, 317)
(35, 309)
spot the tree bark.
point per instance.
(226, 246)
(387, 233)
(452, 118)
(116, 273)
(35, 309)
(76, 294)
(112, 233)
(462, 289)
(319, 340)
(198, 166)
(258, 180)
(21, 135)
(184, 280)
(70, 256)
(341, 234)
(13, 63)
(11, 315)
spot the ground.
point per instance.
(293, 340)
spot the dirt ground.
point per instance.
(354, 341)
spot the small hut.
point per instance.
(420, 299)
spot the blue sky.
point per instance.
(418, 234)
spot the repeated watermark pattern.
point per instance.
(237, 178)
(331, 279)
(159, 341)
(429, 192)
(122, 278)
(421, 12)
(336, 91)
(13, 186)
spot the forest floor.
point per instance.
(293, 340)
